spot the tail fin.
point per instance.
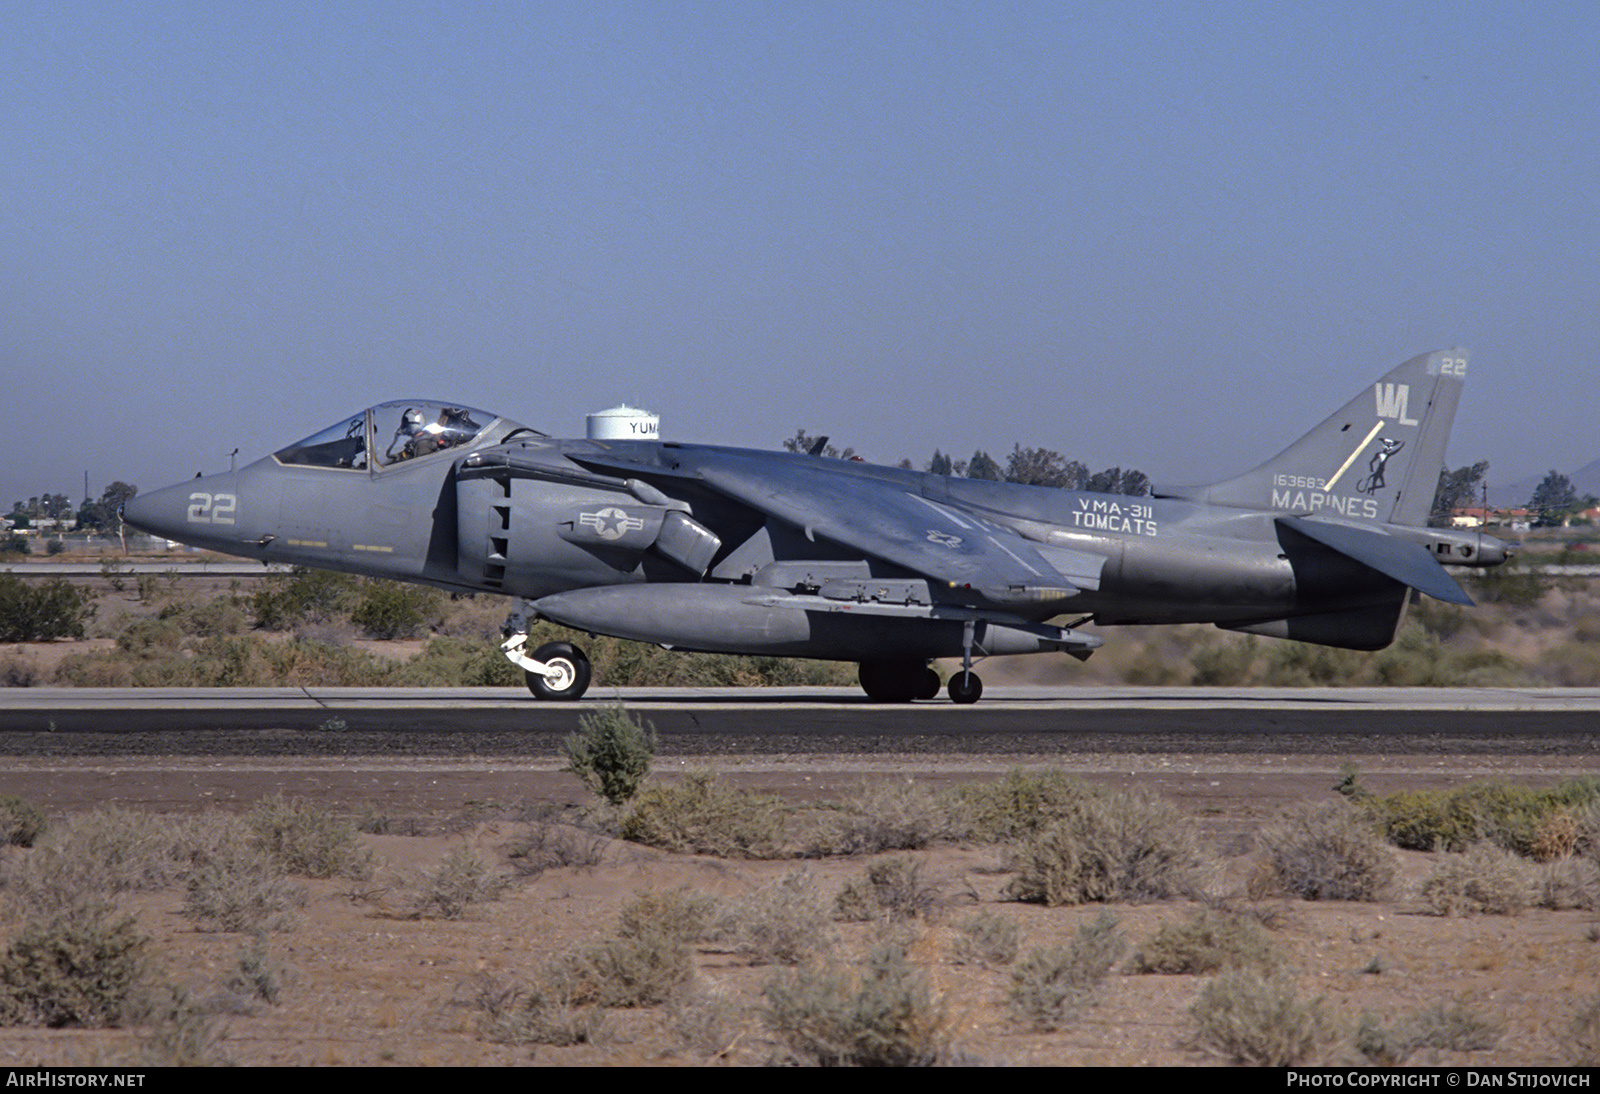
(1378, 459)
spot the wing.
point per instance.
(883, 519)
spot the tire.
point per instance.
(930, 684)
(891, 681)
(965, 687)
(571, 681)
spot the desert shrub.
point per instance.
(884, 1015)
(536, 1014)
(308, 841)
(895, 888)
(1570, 883)
(90, 857)
(180, 1033)
(985, 939)
(706, 1022)
(545, 846)
(1484, 881)
(243, 890)
(43, 611)
(304, 596)
(1016, 806)
(1513, 582)
(635, 971)
(256, 974)
(207, 618)
(82, 969)
(1455, 1027)
(388, 609)
(1223, 661)
(700, 815)
(650, 961)
(456, 662)
(780, 923)
(16, 544)
(21, 823)
(17, 671)
(611, 753)
(1050, 986)
(147, 639)
(462, 880)
(153, 653)
(892, 816)
(1107, 846)
(1301, 664)
(1583, 1033)
(1514, 817)
(1207, 942)
(1248, 1018)
(1325, 853)
(1556, 836)
(678, 915)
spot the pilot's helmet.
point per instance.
(412, 421)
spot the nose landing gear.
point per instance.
(557, 670)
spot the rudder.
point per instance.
(1376, 460)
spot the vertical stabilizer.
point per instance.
(1377, 460)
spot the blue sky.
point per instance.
(1168, 236)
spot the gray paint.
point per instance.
(745, 551)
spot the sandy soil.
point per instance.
(367, 987)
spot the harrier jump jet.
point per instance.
(728, 550)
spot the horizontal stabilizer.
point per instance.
(1391, 556)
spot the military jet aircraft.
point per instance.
(728, 550)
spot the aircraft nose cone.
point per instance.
(160, 512)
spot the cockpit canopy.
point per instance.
(393, 433)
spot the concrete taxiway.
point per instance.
(448, 721)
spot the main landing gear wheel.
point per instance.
(965, 687)
(569, 672)
(897, 681)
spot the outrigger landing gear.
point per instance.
(965, 687)
(557, 670)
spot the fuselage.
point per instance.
(435, 521)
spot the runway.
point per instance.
(747, 721)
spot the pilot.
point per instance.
(415, 436)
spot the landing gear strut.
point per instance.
(557, 670)
(965, 687)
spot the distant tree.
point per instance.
(1136, 484)
(940, 464)
(1553, 499)
(804, 442)
(102, 514)
(1043, 467)
(1458, 489)
(982, 466)
(19, 516)
(1114, 480)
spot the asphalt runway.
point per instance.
(798, 721)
